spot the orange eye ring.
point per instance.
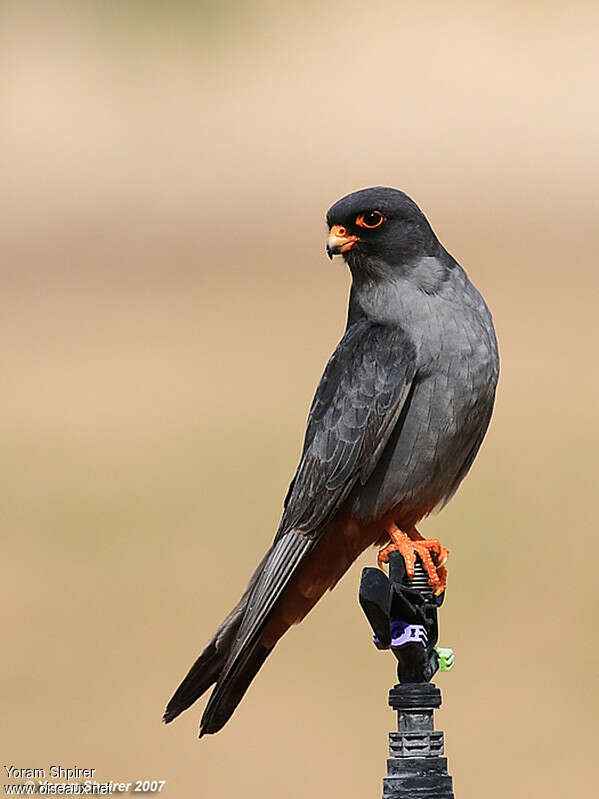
(370, 219)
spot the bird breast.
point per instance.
(449, 407)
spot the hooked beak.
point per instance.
(340, 241)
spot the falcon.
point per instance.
(397, 420)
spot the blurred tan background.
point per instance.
(167, 311)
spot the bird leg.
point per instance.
(412, 544)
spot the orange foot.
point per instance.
(425, 548)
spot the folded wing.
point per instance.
(356, 406)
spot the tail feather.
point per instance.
(207, 668)
(234, 656)
(199, 678)
(222, 703)
(248, 652)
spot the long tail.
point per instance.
(207, 668)
(235, 654)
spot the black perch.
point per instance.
(403, 617)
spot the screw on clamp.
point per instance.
(403, 616)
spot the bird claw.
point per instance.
(432, 554)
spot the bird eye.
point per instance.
(370, 219)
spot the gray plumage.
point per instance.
(396, 422)
(456, 364)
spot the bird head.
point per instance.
(379, 226)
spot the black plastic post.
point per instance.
(403, 616)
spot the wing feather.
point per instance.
(357, 404)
